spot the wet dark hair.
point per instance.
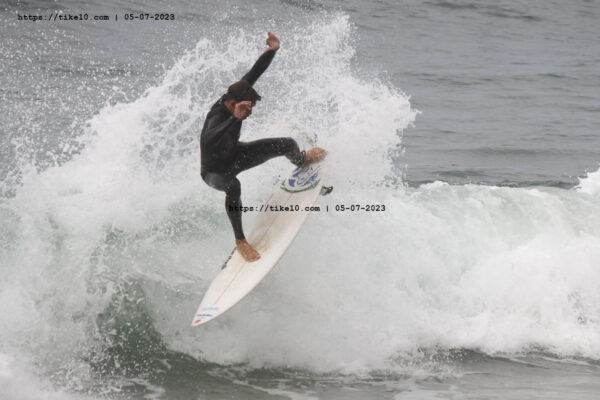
(242, 91)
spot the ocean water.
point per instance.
(474, 123)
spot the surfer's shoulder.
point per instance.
(219, 107)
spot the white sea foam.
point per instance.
(590, 184)
(497, 269)
(19, 384)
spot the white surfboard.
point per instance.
(275, 229)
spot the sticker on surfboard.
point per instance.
(302, 179)
(205, 312)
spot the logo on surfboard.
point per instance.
(205, 312)
(302, 179)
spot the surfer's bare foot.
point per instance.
(246, 250)
(313, 155)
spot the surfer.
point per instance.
(223, 156)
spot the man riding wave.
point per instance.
(223, 156)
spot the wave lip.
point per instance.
(590, 184)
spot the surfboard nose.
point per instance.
(205, 314)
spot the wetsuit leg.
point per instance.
(254, 153)
(248, 155)
(233, 203)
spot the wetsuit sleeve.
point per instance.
(259, 66)
(216, 127)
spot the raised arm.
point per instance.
(263, 61)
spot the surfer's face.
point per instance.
(251, 107)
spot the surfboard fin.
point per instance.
(325, 190)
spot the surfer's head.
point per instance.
(242, 91)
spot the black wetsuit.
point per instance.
(223, 156)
